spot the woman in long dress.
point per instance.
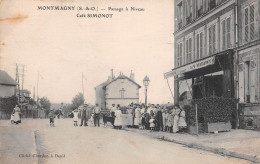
(129, 116)
(16, 114)
(164, 118)
(137, 117)
(176, 120)
(118, 119)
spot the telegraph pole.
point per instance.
(22, 88)
(83, 88)
(37, 87)
(23, 78)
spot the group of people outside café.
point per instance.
(155, 117)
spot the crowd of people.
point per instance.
(153, 117)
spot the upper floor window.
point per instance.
(188, 50)
(199, 7)
(179, 14)
(226, 33)
(188, 11)
(199, 45)
(212, 39)
(248, 23)
(122, 93)
(179, 56)
(212, 4)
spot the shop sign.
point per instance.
(190, 67)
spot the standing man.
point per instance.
(84, 116)
(96, 115)
(112, 110)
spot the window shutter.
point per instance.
(246, 25)
(190, 50)
(187, 51)
(252, 81)
(252, 19)
(210, 46)
(223, 35)
(214, 38)
(180, 53)
(228, 32)
(201, 44)
(241, 82)
(198, 45)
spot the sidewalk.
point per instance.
(244, 144)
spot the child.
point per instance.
(152, 124)
(12, 118)
(92, 118)
(75, 117)
(143, 121)
(51, 116)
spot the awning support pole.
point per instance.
(170, 89)
(189, 88)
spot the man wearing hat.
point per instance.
(96, 115)
(84, 116)
(112, 110)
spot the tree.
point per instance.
(77, 100)
(46, 105)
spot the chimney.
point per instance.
(132, 76)
(112, 74)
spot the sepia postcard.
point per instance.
(129, 81)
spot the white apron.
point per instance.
(118, 118)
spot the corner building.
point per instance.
(204, 49)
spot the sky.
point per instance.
(61, 46)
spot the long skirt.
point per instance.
(175, 124)
(16, 117)
(182, 123)
(137, 120)
(130, 119)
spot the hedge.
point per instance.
(211, 110)
(8, 103)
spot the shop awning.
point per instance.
(214, 63)
(190, 67)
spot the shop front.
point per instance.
(211, 77)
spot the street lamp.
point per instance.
(146, 82)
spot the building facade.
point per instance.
(248, 63)
(121, 90)
(7, 85)
(217, 45)
(204, 49)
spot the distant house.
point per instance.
(7, 85)
(122, 90)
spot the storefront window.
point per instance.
(185, 90)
